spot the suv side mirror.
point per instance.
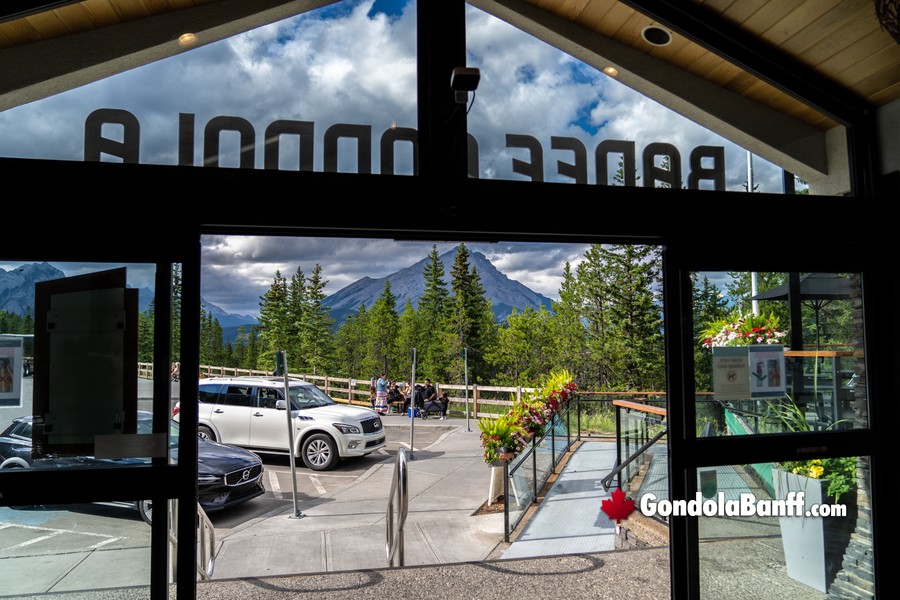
(281, 405)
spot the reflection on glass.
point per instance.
(786, 529)
(62, 549)
(541, 114)
(304, 93)
(762, 368)
(21, 415)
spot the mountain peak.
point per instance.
(408, 284)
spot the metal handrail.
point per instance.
(394, 535)
(659, 417)
(607, 481)
(206, 558)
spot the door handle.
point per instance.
(258, 414)
(218, 410)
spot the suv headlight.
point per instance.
(345, 428)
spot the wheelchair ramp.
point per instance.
(569, 519)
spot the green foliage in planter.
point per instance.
(839, 472)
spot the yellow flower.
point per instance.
(815, 471)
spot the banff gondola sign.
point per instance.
(706, 164)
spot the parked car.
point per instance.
(250, 412)
(227, 475)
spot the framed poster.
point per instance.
(11, 369)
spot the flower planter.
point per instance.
(813, 546)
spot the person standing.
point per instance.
(381, 394)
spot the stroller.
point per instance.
(431, 406)
(418, 398)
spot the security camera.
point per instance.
(464, 79)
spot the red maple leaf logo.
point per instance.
(619, 507)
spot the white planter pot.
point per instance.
(813, 546)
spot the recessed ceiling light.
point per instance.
(656, 35)
(187, 39)
(611, 71)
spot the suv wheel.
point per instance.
(319, 452)
(145, 508)
(206, 433)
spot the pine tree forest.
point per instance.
(606, 328)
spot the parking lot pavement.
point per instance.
(345, 530)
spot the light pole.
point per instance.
(466, 371)
(412, 408)
(281, 369)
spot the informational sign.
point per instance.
(766, 371)
(11, 369)
(731, 373)
(746, 372)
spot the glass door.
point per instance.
(772, 480)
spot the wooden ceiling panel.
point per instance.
(864, 49)
(594, 13)
(821, 25)
(738, 12)
(688, 54)
(859, 25)
(771, 14)
(630, 32)
(796, 20)
(612, 21)
(18, 33)
(130, 11)
(77, 19)
(102, 12)
(840, 40)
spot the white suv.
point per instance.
(249, 412)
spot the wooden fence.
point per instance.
(483, 400)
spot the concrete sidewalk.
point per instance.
(448, 482)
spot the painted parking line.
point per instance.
(49, 533)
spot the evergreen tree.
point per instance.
(274, 321)
(569, 339)
(176, 312)
(296, 344)
(434, 305)
(471, 322)
(239, 347)
(594, 288)
(739, 291)
(315, 333)
(523, 350)
(636, 316)
(407, 338)
(351, 348)
(251, 355)
(709, 305)
(382, 326)
(211, 339)
(145, 334)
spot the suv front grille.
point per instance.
(237, 477)
(372, 425)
